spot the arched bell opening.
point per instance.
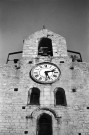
(45, 47)
(44, 124)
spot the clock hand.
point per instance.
(46, 73)
(50, 71)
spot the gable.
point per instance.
(31, 44)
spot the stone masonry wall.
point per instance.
(74, 118)
(19, 118)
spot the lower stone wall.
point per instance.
(18, 118)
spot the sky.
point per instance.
(21, 18)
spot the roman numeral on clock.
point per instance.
(55, 72)
(36, 76)
(35, 72)
(54, 75)
(40, 66)
(40, 78)
(45, 65)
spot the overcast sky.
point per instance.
(20, 18)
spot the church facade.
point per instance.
(48, 94)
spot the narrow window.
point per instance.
(35, 95)
(60, 98)
(45, 47)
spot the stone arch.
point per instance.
(34, 96)
(60, 97)
(39, 110)
(56, 118)
(45, 47)
(44, 124)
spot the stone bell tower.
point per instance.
(46, 77)
(47, 92)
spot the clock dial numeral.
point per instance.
(50, 66)
(51, 79)
(40, 78)
(37, 68)
(41, 66)
(36, 76)
(35, 72)
(55, 69)
(47, 79)
(54, 75)
(45, 65)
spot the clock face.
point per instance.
(45, 73)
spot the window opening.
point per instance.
(60, 97)
(45, 47)
(35, 95)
